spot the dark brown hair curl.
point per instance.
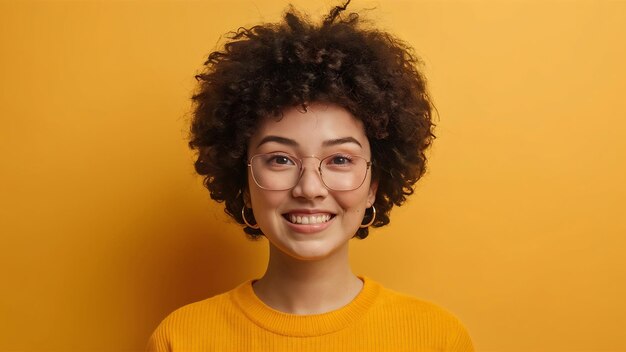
(266, 68)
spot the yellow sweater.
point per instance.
(378, 319)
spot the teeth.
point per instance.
(305, 220)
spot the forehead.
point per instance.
(311, 128)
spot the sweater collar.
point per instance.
(304, 325)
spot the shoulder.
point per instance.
(201, 312)
(182, 325)
(422, 317)
(394, 300)
(195, 310)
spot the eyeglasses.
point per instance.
(282, 171)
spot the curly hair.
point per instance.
(267, 68)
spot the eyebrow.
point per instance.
(338, 141)
(291, 142)
(277, 139)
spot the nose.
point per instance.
(310, 185)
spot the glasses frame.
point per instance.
(300, 163)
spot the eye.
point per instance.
(339, 159)
(279, 160)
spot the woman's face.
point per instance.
(325, 220)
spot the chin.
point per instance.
(310, 251)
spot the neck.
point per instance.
(307, 286)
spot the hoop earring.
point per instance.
(371, 221)
(243, 216)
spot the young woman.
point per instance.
(310, 134)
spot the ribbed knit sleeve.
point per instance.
(158, 342)
(461, 341)
(376, 320)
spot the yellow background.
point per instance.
(518, 228)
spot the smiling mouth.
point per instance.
(308, 219)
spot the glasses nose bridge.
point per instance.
(317, 168)
(317, 165)
(311, 185)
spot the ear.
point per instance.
(371, 196)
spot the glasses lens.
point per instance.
(275, 171)
(343, 172)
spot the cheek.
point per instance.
(352, 203)
(264, 202)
